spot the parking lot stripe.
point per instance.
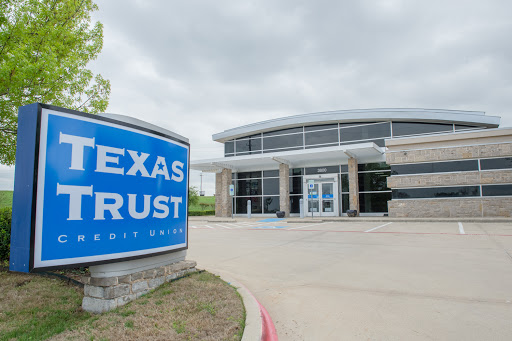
(301, 227)
(461, 228)
(210, 227)
(378, 227)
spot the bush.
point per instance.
(5, 233)
(198, 213)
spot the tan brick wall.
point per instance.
(223, 201)
(449, 153)
(451, 208)
(284, 189)
(450, 179)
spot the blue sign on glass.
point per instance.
(105, 190)
(327, 196)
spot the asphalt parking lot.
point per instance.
(368, 280)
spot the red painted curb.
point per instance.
(268, 331)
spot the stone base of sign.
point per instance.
(102, 294)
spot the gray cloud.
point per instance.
(200, 67)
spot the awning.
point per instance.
(366, 152)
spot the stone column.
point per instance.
(353, 184)
(223, 201)
(284, 189)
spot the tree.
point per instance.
(45, 46)
(193, 196)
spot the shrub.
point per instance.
(5, 233)
(198, 213)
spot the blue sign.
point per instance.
(327, 196)
(105, 191)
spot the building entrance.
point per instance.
(321, 195)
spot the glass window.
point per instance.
(497, 190)
(270, 204)
(248, 175)
(296, 185)
(248, 145)
(281, 150)
(501, 163)
(405, 128)
(228, 155)
(283, 131)
(375, 181)
(463, 127)
(437, 192)
(322, 137)
(344, 182)
(241, 205)
(322, 146)
(248, 187)
(345, 204)
(365, 132)
(322, 170)
(271, 173)
(344, 168)
(295, 203)
(271, 186)
(229, 147)
(282, 141)
(374, 202)
(296, 171)
(321, 127)
(435, 167)
(368, 167)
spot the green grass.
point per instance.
(205, 201)
(6, 199)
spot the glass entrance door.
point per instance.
(321, 197)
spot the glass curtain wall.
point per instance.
(373, 191)
(327, 135)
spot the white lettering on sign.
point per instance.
(321, 170)
(107, 157)
(108, 160)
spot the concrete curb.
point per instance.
(258, 323)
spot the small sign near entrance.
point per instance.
(231, 190)
(311, 184)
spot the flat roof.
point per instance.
(476, 118)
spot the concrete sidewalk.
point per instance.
(355, 219)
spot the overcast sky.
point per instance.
(201, 67)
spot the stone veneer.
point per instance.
(102, 294)
(353, 184)
(460, 146)
(449, 153)
(453, 208)
(451, 179)
(284, 189)
(223, 201)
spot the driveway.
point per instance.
(368, 280)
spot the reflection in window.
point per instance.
(283, 131)
(365, 132)
(248, 145)
(435, 167)
(322, 137)
(270, 204)
(271, 186)
(500, 163)
(374, 202)
(296, 185)
(248, 187)
(229, 147)
(375, 181)
(241, 205)
(295, 203)
(285, 141)
(436, 192)
(497, 190)
(404, 128)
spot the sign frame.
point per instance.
(27, 178)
